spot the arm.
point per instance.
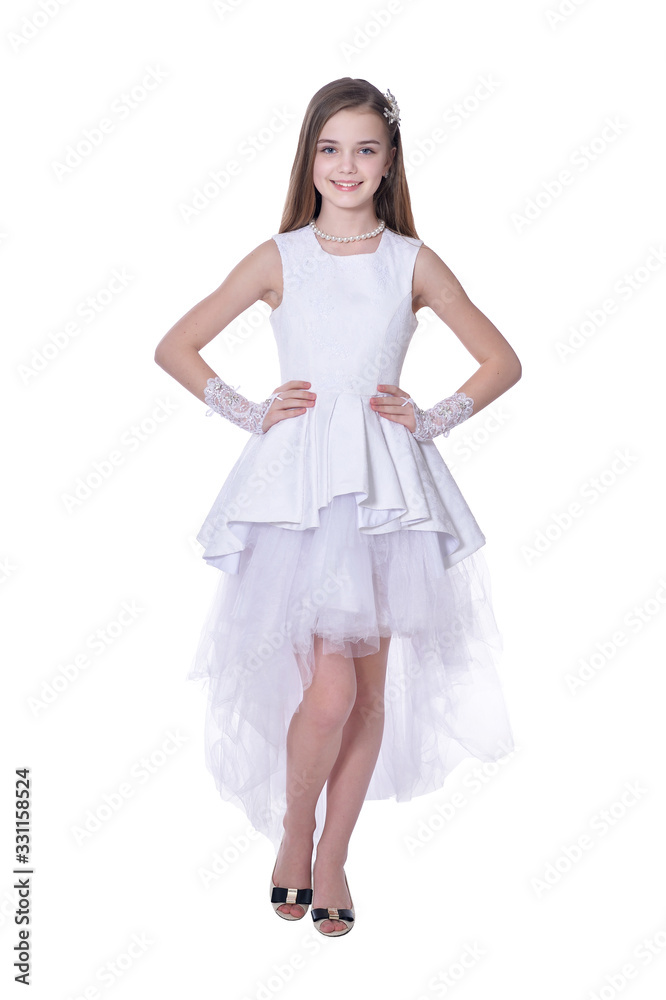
(177, 352)
(436, 286)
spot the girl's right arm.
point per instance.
(177, 353)
(254, 277)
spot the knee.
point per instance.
(331, 708)
(369, 703)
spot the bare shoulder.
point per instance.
(257, 276)
(433, 279)
(266, 258)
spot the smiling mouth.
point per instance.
(347, 186)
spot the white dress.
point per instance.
(339, 522)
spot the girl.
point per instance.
(349, 650)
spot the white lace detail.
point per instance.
(441, 417)
(224, 400)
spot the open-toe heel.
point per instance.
(280, 895)
(321, 913)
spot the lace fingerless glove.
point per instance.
(441, 417)
(224, 400)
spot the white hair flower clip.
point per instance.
(392, 113)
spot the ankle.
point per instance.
(331, 856)
(298, 833)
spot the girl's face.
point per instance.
(352, 148)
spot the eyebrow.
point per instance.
(361, 142)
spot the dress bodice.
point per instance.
(344, 322)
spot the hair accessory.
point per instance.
(393, 114)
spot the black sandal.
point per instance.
(279, 895)
(334, 913)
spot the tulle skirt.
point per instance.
(443, 699)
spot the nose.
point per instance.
(347, 164)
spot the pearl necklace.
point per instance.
(349, 239)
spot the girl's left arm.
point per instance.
(436, 286)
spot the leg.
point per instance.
(349, 779)
(313, 743)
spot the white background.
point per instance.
(499, 878)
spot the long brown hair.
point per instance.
(391, 199)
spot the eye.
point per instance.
(364, 149)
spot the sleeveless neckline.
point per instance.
(341, 256)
